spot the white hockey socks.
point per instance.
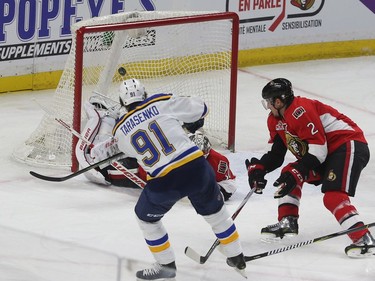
(225, 230)
(157, 241)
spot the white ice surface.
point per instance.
(75, 230)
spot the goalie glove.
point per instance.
(256, 172)
(104, 150)
(292, 175)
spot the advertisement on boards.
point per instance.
(271, 23)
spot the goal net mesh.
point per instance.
(190, 59)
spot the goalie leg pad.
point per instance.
(97, 177)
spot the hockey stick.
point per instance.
(134, 178)
(84, 170)
(119, 167)
(202, 259)
(308, 242)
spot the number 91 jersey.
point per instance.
(152, 132)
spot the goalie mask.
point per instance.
(202, 142)
(131, 91)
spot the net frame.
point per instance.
(80, 31)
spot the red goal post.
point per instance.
(184, 53)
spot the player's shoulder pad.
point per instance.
(143, 104)
(157, 97)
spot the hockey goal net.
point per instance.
(184, 53)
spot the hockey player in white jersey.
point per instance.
(151, 132)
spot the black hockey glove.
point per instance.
(256, 172)
(192, 127)
(291, 176)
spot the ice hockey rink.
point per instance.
(78, 231)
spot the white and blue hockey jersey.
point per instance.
(152, 132)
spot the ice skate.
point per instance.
(158, 272)
(286, 227)
(239, 264)
(364, 247)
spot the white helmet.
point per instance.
(201, 141)
(131, 91)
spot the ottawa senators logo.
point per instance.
(295, 145)
(303, 4)
(331, 176)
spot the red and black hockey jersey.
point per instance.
(310, 125)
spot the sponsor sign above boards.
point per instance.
(270, 23)
(35, 34)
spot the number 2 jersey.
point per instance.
(152, 132)
(314, 127)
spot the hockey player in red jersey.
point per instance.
(219, 163)
(331, 150)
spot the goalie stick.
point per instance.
(64, 178)
(138, 181)
(308, 242)
(202, 259)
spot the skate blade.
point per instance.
(159, 279)
(271, 238)
(265, 238)
(242, 272)
(357, 253)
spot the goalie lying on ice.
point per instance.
(101, 117)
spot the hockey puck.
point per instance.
(121, 71)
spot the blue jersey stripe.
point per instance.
(157, 242)
(187, 156)
(227, 232)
